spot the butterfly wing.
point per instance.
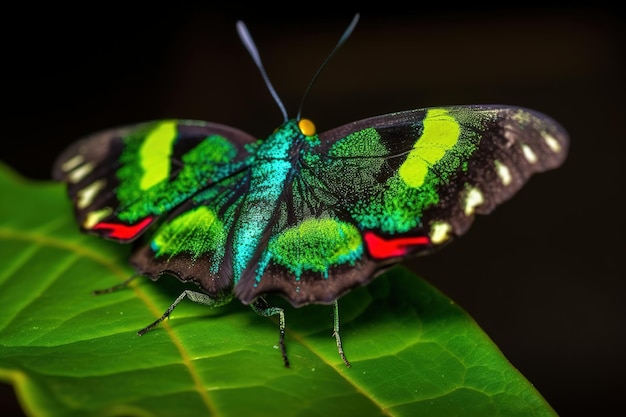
(194, 242)
(440, 165)
(378, 190)
(122, 180)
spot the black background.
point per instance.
(542, 275)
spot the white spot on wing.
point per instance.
(95, 216)
(552, 143)
(439, 232)
(87, 194)
(529, 154)
(503, 172)
(80, 172)
(473, 199)
(72, 163)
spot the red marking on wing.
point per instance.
(124, 231)
(381, 248)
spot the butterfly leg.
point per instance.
(262, 308)
(119, 286)
(196, 297)
(336, 333)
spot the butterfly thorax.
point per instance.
(270, 175)
(286, 142)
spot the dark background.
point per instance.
(542, 275)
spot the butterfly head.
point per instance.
(307, 127)
(298, 132)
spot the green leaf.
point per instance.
(70, 353)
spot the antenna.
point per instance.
(247, 41)
(344, 37)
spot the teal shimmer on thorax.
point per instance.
(271, 170)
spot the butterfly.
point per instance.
(302, 214)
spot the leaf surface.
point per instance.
(70, 353)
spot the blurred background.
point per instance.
(542, 275)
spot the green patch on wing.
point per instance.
(194, 232)
(146, 163)
(438, 155)
(315, 245)
(361, 143)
